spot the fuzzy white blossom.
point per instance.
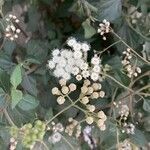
(73, 61)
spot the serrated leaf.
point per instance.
(16, 96)
(89, 31)
(16, 76)
(146, 105)
(28, 102)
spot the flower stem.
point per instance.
(130, 47)
(63, 110)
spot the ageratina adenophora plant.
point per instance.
(74, 75)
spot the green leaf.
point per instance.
(89, 31)
(16, 96)
(146, 105)
(28, 102)
(4, 81)
(129, 36)
(29, 84)
(16, 76)
(108, 9)
(138, 138)
(2, 98)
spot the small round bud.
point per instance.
(91, 108)
(89, 120)
(60, 100)
(84, 89)
(79, 77)
(90, 90)
(18, 30)
(96, 86)
(87, 82)
(72, 87)
(100, 122)
(138, 69)
(95, 95)
(62, 82)
(55, 91)
(65, 90)
(101, 94)
(85, 100)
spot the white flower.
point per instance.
(85, 47)
(68, 68)
(94, 76)
(62, 62)
(58, 72)
(56, 52)
(85, 74)
(96, 69)
(71, 61)
(66, 53)
(56, 137)
(77, 54)
(84, 66)
(56, 59)
(66, 76)
(71, 41)
(77, 47)
(95, 60)
(75, 70)
(51, 64)
(78, 62)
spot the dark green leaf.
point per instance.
(146, 105)
(28, 102)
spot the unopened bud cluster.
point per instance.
(132, 70)
(99, 118)
(11, 31)
(29, 134)
(73, 128)
(63, 91)
(104, 28)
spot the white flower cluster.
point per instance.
(104, 28)
(131, 69)
(13, 144)
(73, 61)
(87, 135)
(11, 31)
(125, 145)
(129, 128)
(56, 135)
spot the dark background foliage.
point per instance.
(45, 25)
